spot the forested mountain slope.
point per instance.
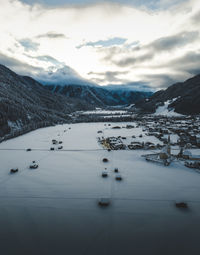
(26, 104)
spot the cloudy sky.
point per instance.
(136, 42)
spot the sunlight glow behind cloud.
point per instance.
(135, 42)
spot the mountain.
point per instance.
(182, 97)
(63, 76)
(25, 104)
(100, 96)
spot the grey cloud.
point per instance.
(189, 63)
(183, 68)
(47, 58)
(162, 81)
(18, 66)
(52, 35)
(196, 18)
(140, 54)
(108, 76)
(104, 43)
(172, 42)
(110, 52)
(98, 80)
(180, 73)
(134, 60)
(55, 75)
(29, 45)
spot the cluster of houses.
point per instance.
(144, 146)
(113, 143)
(186, 128)
(116, 143)
(185, 132)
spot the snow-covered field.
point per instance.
(54, 210)
(105, 112)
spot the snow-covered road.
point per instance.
(53, 209)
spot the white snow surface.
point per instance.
(164, 111)
(54, 209)
(107, 112)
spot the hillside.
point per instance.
(99, 96)
(25, 104)
(183, 97)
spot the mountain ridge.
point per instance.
(100, 96)
(186, 97)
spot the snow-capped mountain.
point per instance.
(62, 76)
(182, 97)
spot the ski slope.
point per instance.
(54, 210)
(164, 111)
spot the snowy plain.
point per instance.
(106, 112)
(54, 209)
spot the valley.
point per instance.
(99, 127)
(49, 209)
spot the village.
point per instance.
(165, 139)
